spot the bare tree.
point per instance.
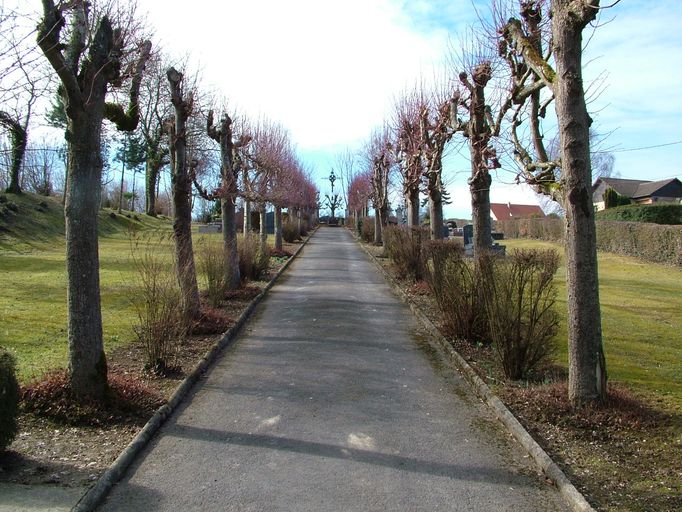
(378, 154)
(181, 177)
(156, 109)
(40, 167)
(86, 68)
(409, 148)
(531, 67)
(438, 124)
(24, 79)
(228, 192)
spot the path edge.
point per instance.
(569, 492)
(96, 494)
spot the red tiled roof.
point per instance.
(504, 211)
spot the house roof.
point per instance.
(504, 211)
(634, 188)
(651, 187)
(627, 188)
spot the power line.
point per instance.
(645, 147)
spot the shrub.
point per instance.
(9, 399)
(404, 246)
(653, 242)
(455, 283)
(211, 264)
(655, 213)
(519, 302)
(367, 229)
(155, 298)
(254, 259)
(290, 231)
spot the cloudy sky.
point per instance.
(330, 71)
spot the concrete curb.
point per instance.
(96, 494)
(569, 492)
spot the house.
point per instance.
(639, 191)
(507, 211)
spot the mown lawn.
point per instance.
(641, 321)
(33, 295)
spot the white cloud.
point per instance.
(327, 70)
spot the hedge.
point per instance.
(655, 213)
(652, 242)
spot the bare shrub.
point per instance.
(211, 263)
(290, 232)
(254, 258)
(367, 229)
(155, 297)
(455, 283)
(520, 303)
(404, 246)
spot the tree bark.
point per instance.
(87, 361)
(412, 200)
(247, 217)
(151, 179)
(182, 191)
(378, 239)
(231, 254)
(278, 228)
(435, 206)
(479, 137)
(479, 187)
(263, 233)
(587, 364)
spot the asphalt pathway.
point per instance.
(332, 400)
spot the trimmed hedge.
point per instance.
(652, 242)
(655, 213)
(541, 228)
(9, 399)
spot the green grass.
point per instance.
(642, 326)
(33, 298)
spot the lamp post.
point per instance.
(333, 200)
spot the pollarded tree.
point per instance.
(531, 67)
(228, 192)
(437, 124)
(409, 149)
(378, 154)
(181, 178)
(87, 68)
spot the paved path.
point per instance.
(331, 401)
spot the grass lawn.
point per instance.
(33, 297)
(641, 320)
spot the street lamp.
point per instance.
(333, 200)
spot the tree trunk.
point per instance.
(480, 211)
(278, 228)
(182, 192)
(151, 180)
(378, 239)
(231, 255)
(247, 217)
(18, 138)
(263, 228)
(587, 364)
(87, 362)
(479, 137)
(435, 206)
(412, 200)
